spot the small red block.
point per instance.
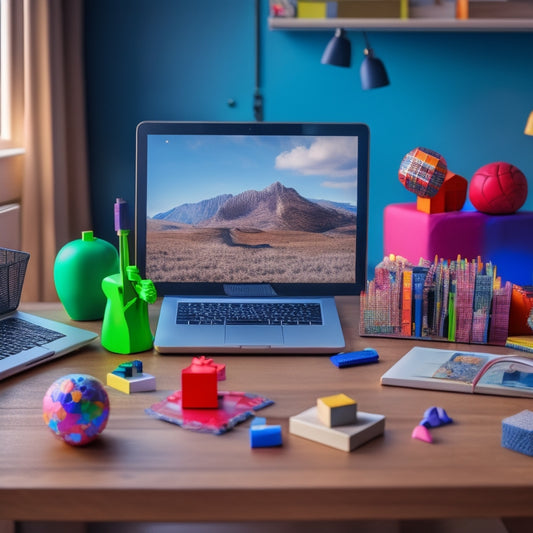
(199, 387)
(220, 368)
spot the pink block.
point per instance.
(422, 433)
(506, 240)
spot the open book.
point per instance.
(458, 371)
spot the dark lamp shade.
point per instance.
(373, 73)
(338, 52)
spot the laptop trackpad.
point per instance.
(254, 335)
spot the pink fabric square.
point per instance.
(414, 234)
(505, 240)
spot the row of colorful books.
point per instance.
(457, 300)
(353, 9)
(460, 9)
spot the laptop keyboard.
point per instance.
(18, 335)
(255, 313)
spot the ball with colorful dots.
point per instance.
(76, 408)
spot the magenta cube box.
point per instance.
(506, 240)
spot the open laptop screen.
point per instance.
(252, 203)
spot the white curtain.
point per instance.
(55, 192)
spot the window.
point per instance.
(11, 99)
(11, 75)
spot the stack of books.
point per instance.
(433, 9)
(372, 8)
(455, 300)
(500, 9)
(352, 9)
(416, 9)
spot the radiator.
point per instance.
(10, 226)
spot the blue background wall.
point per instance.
(465, 95)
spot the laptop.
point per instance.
(27, 340)
(249, 230)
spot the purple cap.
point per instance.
(121, 215)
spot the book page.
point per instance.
(432, 368)
(461, 366)
(506, 372)
(461, 371)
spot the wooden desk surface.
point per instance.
(145, 469)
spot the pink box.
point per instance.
(506, 240)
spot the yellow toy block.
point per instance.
(140, 383)
(129, 377)
(337, 410)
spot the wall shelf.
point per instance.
(397, 24)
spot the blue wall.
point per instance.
(465, 95)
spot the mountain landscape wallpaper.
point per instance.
(230, 231)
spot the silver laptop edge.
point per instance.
(214, 339)
(74, 339)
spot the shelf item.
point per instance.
(397, 24)
(502, 239)
(454, 300)
(500, 9)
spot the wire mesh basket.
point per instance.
(12, 270)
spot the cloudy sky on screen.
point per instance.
(187, 169)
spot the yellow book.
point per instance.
(312, 10)
(520, 342)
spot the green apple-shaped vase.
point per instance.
(79, 268)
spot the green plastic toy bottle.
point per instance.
(126, 324)
(79, 268)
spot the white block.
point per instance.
(346, 438)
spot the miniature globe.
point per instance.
(422, 171)
(498, 189)
(76, 408)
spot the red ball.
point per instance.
(498, 189)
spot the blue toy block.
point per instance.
(361, 357)
(517, 432)
(264, 436)
(259, 421)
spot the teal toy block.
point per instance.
(129, 369)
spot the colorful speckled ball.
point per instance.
(76, 408)
(422, 171)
